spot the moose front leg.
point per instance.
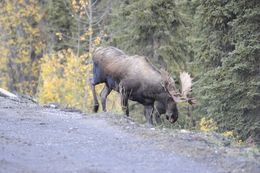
(124, 102)
(148, 112)
(159, 110)
(157, 118)
(124, 99)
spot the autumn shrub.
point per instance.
(21, 45)
(65, 79)
(207, 125)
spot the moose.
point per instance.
(137, 79)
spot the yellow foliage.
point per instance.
(207, 125)
(3, 68)
(228, 134)
(79, 6)
(22, 42)
(233, 136)
(97, 41)
(86, 34)
(59, 35)
(65, 79)
(239, 142)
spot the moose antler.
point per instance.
(186, 83)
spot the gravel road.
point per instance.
(38, 139)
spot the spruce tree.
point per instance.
(153, 28)
(227, 54)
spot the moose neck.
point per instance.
(161, 95)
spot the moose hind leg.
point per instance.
(95, 104)
(104, 93)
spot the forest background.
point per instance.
(46, 48)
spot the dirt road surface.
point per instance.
(39, 139)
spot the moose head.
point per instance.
(174, 95)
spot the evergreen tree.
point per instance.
(227, 54)
(152, 28)
(59, 25)
(75, 24)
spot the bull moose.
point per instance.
(135, 78)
